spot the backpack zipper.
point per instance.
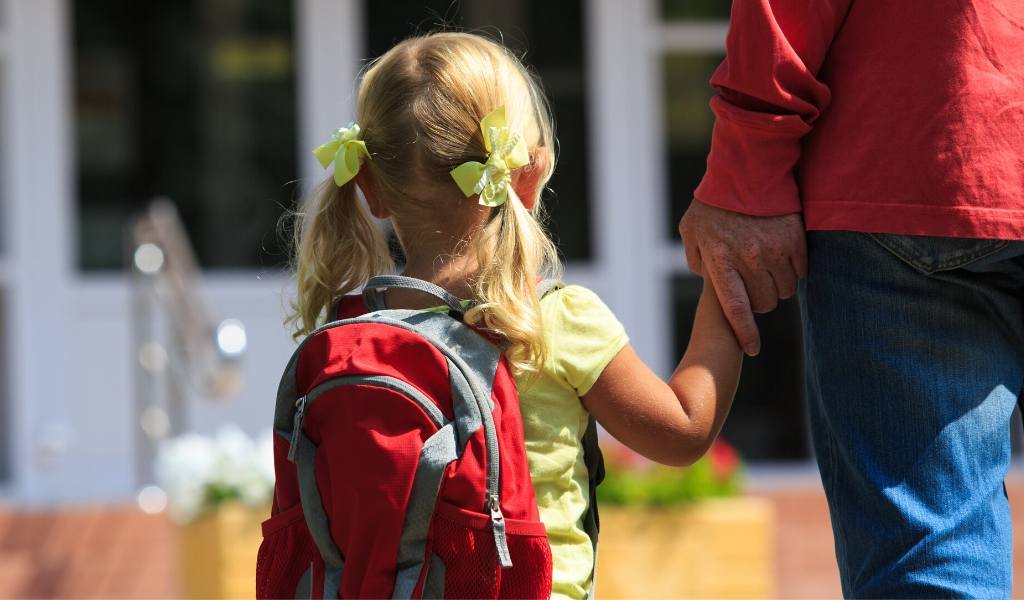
(300, 410)
(500, 540)
(433, 412)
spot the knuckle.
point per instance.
(751, 252)
(736, 304)
(719, 254)
(764, 305)
(684, 227)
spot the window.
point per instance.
(688, 126)
(192, 100)
(695, 10)
(552, 41)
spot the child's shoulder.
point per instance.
(570, 294)
(582, 335)
(575, 306)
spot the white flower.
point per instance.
(190, 466)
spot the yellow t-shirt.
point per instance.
(582, 336)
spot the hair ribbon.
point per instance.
(346, 150)
(506, 150)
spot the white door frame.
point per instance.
(38, 181)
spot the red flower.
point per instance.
(724, 460)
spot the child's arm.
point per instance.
(672, 423)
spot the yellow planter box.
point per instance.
(718, 548)
(217, 552)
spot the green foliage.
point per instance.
(636, 482)
(218, 493)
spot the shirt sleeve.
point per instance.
(582, 335)
(769, 97)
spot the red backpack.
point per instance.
(400, 462)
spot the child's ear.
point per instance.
(528, 180)
(367, 182)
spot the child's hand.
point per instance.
(711, 316)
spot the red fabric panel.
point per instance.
(351, 306)
(517, 497)
(284, 555)
(375, 349)
(465, 543)
(365, 475)
(286, 490)
(465, 486)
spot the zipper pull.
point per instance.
(498, 525)
(300, 409)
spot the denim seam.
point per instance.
(951, 263)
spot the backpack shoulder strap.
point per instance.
(547, 286)
(594, 460)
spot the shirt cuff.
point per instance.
(750, 166)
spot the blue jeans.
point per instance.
(915, 358)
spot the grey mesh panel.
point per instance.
(480, 355)
(438, 451)
(304, 588)
(405, 580)
(312, 505)
(465, 407)
(332, 581)
(433, 587)
(287, 394)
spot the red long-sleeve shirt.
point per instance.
(886, 116)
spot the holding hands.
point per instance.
(753, 262)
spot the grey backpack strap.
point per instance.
(313, 509)
(547, 286)
(373, 299)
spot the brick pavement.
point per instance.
(118, 552)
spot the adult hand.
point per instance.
(752, 261)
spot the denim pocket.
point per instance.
(933, 254)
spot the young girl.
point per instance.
(454, 145)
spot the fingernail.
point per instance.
(752, 350)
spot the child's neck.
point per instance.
(453, 274)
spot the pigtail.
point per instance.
(514, 252)
(338, 248)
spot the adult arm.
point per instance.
(744, 230)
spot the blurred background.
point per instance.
(147, 153)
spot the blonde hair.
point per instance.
(420, 106)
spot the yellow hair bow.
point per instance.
(346, 150)
(506, 151)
